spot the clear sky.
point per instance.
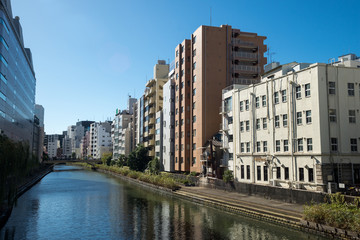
(89, 55)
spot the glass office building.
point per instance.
(17, 84)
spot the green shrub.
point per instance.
(228, 176)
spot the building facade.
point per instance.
(167, 161)
(298, 128)
(100, 139)
(214, 57)
(17, 80)
(153, 102)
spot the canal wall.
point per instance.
(23, 187)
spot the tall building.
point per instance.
(100, 139)
(298, 128)
(214, 57)
(167, 160)
(153, 102)
(122, 137)
(17, 79)
(53, 144)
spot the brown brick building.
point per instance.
(213, 59)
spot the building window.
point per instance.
(177, 53)
(277, 145)
(242, 147)
(194, 119)
(230, 120)
(182, 122)
(299, 118)
(265, 146)
(265, 173)
(248, 171)
(264, 100)
(332, 88)
(231, 156)
(258, 124)
(332, 115)
(277, 121)
(194, 132)
(285, 120)
(307, 90)
(258, 147)
(231, 138)
(194, 161)
(351, 89)
(264, 123)
(247, 123)
(241, 106)
(311, 174)
(194, 52)
(194, 79)
(286, 173)
(248, 147)
(194, 65)
(309, 144)
(194, 146)
(4, 43)
(308, 116)
(352, 117)
(4, 25)
(283, 96)
(242, 172)
(257, 102)
(353, 144)
(334, 144)
(3, 60)
(276, 97)
(193, 105)
(246, 105)
(301, 174)
(278, 173)
(300, 145)
(258, 173)
(286, 145)
(241, 126)
(194, 92)
(298, 92)
(194, 39)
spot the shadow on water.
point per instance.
(91, 205)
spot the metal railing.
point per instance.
(245, 55)
(246, 68)
(243, 43)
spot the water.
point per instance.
(89, 205)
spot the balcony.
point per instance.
(151, 132)
(245, 55)
(152, 110)
(151, 120)
(243, 44)
(150, 83)
(151, 142)
(224, 127)
(244, 68)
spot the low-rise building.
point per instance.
(100, 139)
(298, 128)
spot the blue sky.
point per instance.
(89, 55)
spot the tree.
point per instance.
(122, 161)
(73, 155)
(154, 166)
(106, 158)
(138, 159)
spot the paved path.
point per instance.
(252, 205)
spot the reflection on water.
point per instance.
(90, 205)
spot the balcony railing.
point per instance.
(246, 68)
(243, 43)
(245, 55)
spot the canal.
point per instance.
(71, 203)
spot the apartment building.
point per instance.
(100, 139)
(167, 160)
(153, 102)
(17, 81)
(213, 58)
(159, 135)
(53, 144)
(121, 136)
(298, 128)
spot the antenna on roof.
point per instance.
(270, 54)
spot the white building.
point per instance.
(167, 162)
(299, 127)
(53, 143)
(159, 135)
(121, 133)
(100, 139)
(67, 148)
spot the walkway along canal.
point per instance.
(89, 205)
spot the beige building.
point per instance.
(298, 128)
(153, 102)
(214, 57)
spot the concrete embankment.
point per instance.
(22, 188)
